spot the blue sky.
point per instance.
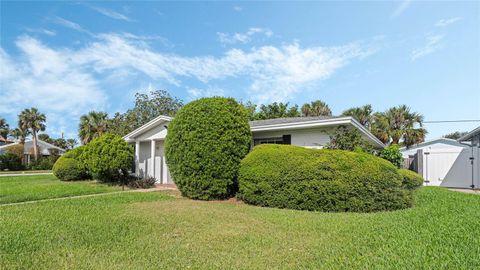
(68, 58)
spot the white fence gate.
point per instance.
(451, 167)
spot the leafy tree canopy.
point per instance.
(455, 135)
(147, 107)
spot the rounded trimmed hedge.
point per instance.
(69, 169)
(108, 158)
(411, 180)
(205, 143)
(285, 176)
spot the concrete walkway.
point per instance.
(464, 190)
(156, 188)
(23, 174)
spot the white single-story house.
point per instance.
(45, 149)
(312, 132)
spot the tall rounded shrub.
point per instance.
(108, 158)
(294, 177)
(205, 143)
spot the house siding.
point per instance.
(312, 138)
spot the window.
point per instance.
(285, 139)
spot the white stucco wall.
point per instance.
(314, 138)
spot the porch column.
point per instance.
(137, 158)
(152, 160)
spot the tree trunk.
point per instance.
(35, 153)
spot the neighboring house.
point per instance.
(4, 141)
(473, 137)
(45, 149)
(312, 132)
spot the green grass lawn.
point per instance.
(25, 171)
(36, 187)
(156, 231)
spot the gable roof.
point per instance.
(470, 135)
(154, 122)
(287, 120)
(29, 144)
(276, 124)
(435, 141)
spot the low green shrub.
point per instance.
(11, 162)
(392, 153)
(205, 144)
(108, 158)
(147, 182)
(69, 169)
(294, 177)
(42, 163)
(411, 179)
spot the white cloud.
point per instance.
(401, 8)
(49, 80)
(274, 72)
(210, 91)
(69, 82)
(433, 43)
(446, 22)
(41, 31)
(238, 8)
(246, 37)
(68, 24)
(112, 14)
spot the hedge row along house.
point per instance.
(44, 149)
(310, 132)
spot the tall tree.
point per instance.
(71, 143)
(363, 114)
(147, 107)
(33, 120)
(92, 125)
(4, 128)
(251, 109)
(399, 124)
(277, 110)
(316, 108)
(45, 137)
(455, 135)
(20, 133)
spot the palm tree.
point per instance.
(20, 134)
(34, 121)
(92, 125)
(71, 143)
(4, 128)
(316, 108)
(399, 124)
(363, 114)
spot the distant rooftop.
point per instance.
(287, 120)
(470, 135)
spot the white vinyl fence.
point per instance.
(450, 167)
